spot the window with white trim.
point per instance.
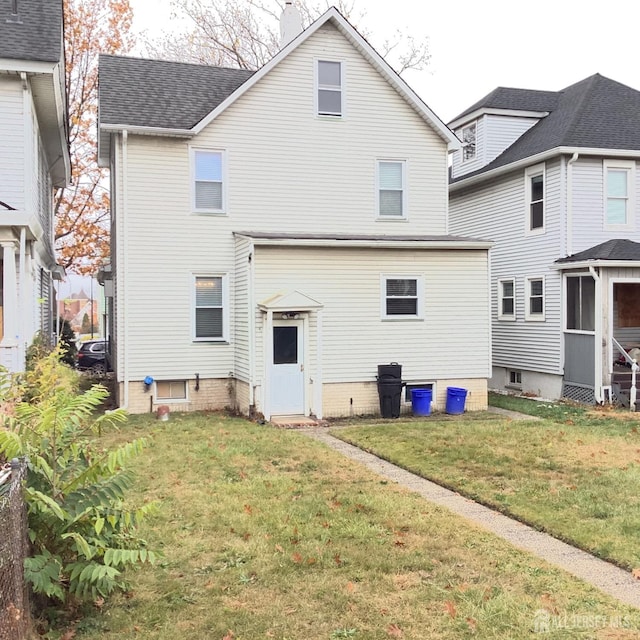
(535, 191)
(507, 299)
(535, 299)
(469, 142)
(171, 390)
(619, 179)
(208, 181)
(402, 297)
(329, 88)
(514, 378)
(210, 308)
(581, 303)
(391, 188)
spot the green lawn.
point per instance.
(268, 534)
(576, 476)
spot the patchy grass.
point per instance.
(578, 480)
(268, 534)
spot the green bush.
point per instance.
(82, 534)
(67, 339)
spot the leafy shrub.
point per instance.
(67, 339)
(82, 534)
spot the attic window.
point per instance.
(329, 93)
(469, 142)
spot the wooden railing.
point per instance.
(634, 369)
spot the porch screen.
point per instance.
(581, 296)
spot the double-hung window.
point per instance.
(581, 303)
(534, 187)
(329, 88)
(211, 311)
(619, 178)
(208, 181)
(469, 142)
(391, 189)
(507, 299)
(402, 297)
(535, 299)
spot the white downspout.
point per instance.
(122, 273)
(597, 387)
(252, 327)
(569, 238)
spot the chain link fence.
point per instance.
(15, 619)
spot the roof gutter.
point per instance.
(541, 157)
(147, 131)
(372, 244)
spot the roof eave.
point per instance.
(105, 131)
(370, 244)
(487, 111)
(540, 157)
(585, 264)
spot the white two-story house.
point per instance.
(551, 177)
(278, 234)
(34, 159)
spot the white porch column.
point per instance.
(268, 359)
(9, 343)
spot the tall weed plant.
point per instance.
(83, 535)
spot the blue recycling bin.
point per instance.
(456, 397)
(421, 402)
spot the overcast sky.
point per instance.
(477, 46)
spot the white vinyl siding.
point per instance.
(352, 321)
(329, 89)
(402, 297)
(391, 188)
(12, 152)
(208, 181)
(534, 196)
(496, 211)
(507, 299)
(210, 306)
(280, 159)
(619, 180)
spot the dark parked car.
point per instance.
(93, 356)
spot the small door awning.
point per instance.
(291, 301)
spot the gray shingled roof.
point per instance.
(594, 113)
(34, 33)
(619, 249)
(158, 93)
(515, 99)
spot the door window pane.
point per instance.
(285, 345)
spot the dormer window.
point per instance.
(469, 142)
(329, 89)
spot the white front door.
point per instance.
(286, 371)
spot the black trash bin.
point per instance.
(390, 389)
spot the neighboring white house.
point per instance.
(34, 158)
(278, 234)
(552, 178)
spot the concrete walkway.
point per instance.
(610, 579)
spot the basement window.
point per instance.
(171, 390)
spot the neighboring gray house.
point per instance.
(552, 178)
(277, 235)
(34, 158)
